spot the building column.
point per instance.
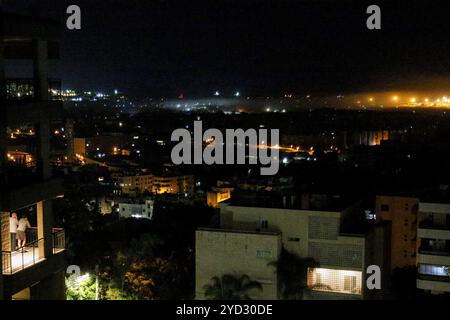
(70, 141)
(45, 228)
(5, 236)
(43, 129)
(3, 141)
(40, 66)
(2, 67)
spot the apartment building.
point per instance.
(249, 238)
(136, 183)
(237, 252)
(433, 258)
(37, 270)
(217, 195)
(402, 215)
(176, 185)
(142, 210)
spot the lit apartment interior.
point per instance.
(334, 280)
(27, 183)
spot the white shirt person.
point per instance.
(13, 225)
(23, 225)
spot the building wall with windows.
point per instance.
(402, 213)
(217, 195)
(157, 185)
(138, 183)
(314, 234)
(433, 258)
(222, 252)
(173, 185)
(136, 210)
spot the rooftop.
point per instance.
(289, 200)
(239, 231)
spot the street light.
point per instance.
(82, 278)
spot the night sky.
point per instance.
(163, 47)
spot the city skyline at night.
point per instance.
(217, 157)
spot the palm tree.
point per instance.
(292, 274)
(229, 287)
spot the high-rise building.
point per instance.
(433, 258)
(27, 185)
(402, 214)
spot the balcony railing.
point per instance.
(26, 256)
(431, 225)
(433, 278)
(23, 89)
(32, 253)
(434, 252)
(59, 240)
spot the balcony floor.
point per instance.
(21, 261)
(28, 258)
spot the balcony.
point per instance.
(430, 230)
(433, 283)
(433, 257)
(32, 253)
(434, 247)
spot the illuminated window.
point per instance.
(434, 270)
(340, 281)
(350, 283)
(370, 215)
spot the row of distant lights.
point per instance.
(413, 99)
(275, 110)
(236, 94)
(73, 94)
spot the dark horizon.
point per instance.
(165, 48)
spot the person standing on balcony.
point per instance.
(13, 224)
(21, 229)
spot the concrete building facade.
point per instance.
(176, 185)
(136, 210)
(402, 213)
(316, 234)
(217, 195)
(433, 258)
